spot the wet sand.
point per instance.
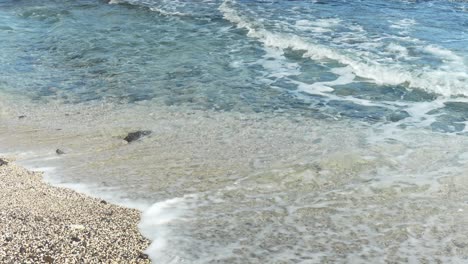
(40, 223)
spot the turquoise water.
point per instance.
(283, 131)
(241, 55)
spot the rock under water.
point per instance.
(133, 136)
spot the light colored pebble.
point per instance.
(45, 224)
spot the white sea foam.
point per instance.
(154, 225)
(115, 2)
(319, 25)
(404, 24)
(445, 80)
(164, 8)
(400, 51)
(345, 76)
(277, 65)
(446, 55)
(167, 13)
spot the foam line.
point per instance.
(446, 80)
(155, 225)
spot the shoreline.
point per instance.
(42, 223)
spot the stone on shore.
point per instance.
(3, 162)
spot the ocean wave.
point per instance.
(449, 79)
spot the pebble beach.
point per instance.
(45, 224)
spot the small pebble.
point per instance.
(40, 223)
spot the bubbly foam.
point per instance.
(154, 225)
(345, 74)
(445, 80)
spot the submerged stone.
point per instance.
(133, 136)
(59, 152)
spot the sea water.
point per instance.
(282, 131)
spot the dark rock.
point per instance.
(8, 239)
(59, 152)
(132, 136)
(75, 239)
(48, 259)
(103, 202)
(3, 162)
(142, 255)
(22, 250)
(21, 116)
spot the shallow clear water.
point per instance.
(283, 131)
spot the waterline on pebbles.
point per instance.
(46, 224)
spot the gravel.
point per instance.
(40, 223)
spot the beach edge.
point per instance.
(50, 224)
